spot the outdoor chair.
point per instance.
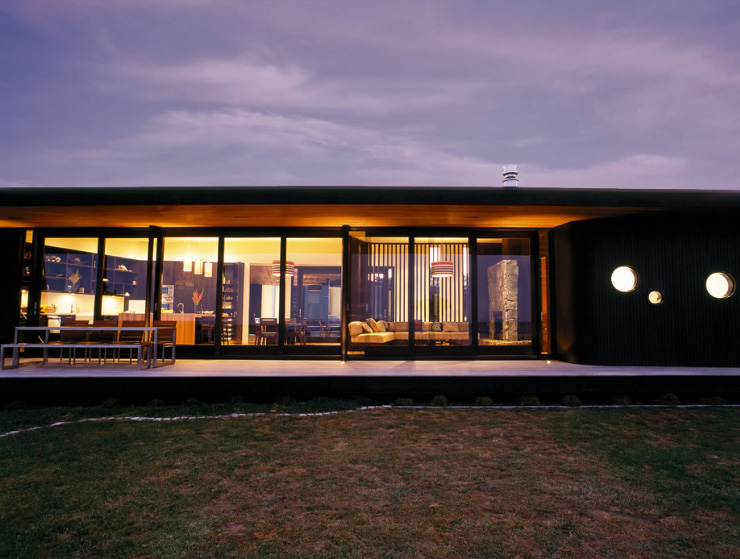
(73, 337)
(131, 337)
(100, 337)
(166, 337)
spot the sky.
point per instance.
(577, 93)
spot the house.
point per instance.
(610, 277)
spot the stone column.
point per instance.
(503, 296)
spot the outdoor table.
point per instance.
(45, 344)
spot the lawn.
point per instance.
(387, 482)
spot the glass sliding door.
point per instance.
(251, 292)
(504, 295)
(378, 321)
(189, 288)
(313, 294)
(441, 292)
(124, 279)
(69, 281)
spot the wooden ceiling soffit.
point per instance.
(303, 215)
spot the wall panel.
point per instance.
(674, 255)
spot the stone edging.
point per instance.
(338, 412)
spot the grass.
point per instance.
(648, 483)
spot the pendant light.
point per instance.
(289, 268)
(442, 269)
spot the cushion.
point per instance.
(436, 326)
(426, 327)
(356, 328)
(366, 328)
(382, 325)
(373, 325)
(375, 338)
(417, 325)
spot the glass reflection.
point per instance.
(251, 292)
(189, 288)
(313, 302)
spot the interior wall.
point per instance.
(597, 324)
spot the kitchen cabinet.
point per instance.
(69, 271)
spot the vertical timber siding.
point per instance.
(596, 324)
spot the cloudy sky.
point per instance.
(578, 93)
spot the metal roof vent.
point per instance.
(511, 176)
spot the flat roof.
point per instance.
(335, 206)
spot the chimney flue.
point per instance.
(511, 176)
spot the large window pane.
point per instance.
(504, 292)
(380, 292)
(442, 301)
(124, 279)
(313, 304)
(70, 273)
(250, 291)
(189, 286)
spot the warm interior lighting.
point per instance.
(720, 285)
(208, 270)
(187, 266)
(442, 269)
(289, 268)
(624, 279)
(655, 297)
(198, 269)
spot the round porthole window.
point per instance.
(720, 285)
(655, 297)
(624, 279)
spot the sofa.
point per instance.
(381, 332)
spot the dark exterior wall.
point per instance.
(11, 254)
(596, 324)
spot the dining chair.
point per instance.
(268, 331)
(297, 334)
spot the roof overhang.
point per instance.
(337, 206)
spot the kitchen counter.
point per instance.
(185, 324)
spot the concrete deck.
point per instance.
(384, 380)
(334, 368)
